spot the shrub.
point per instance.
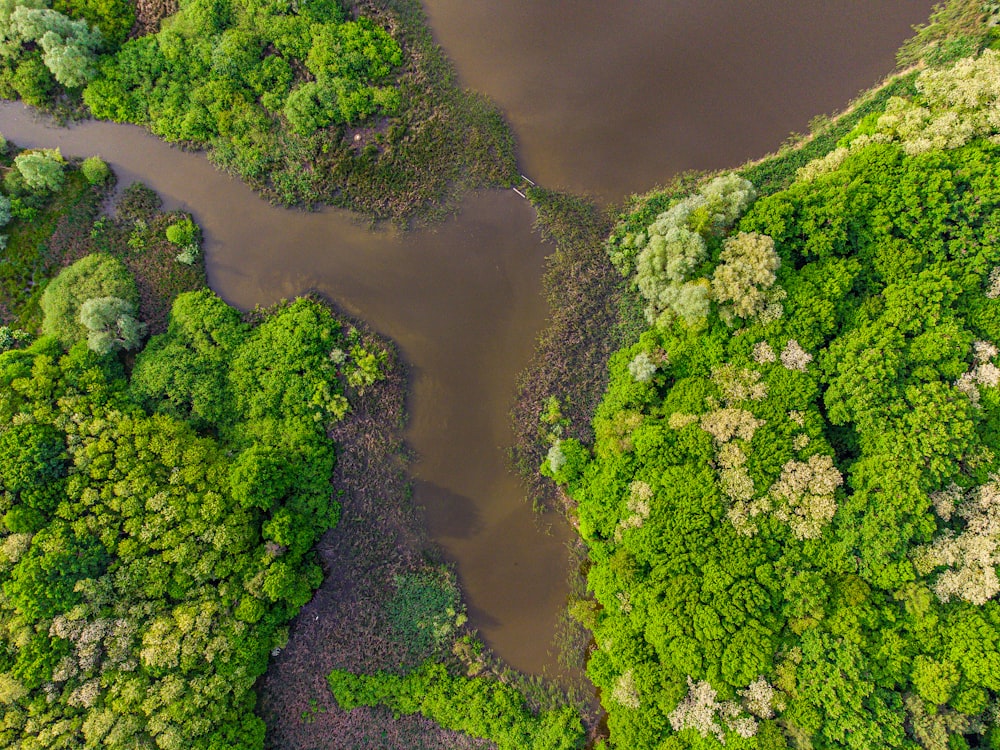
(12, 338)
(94, 276)
(95, 170)
(33, 81)
(183, 233)
(565, 461)
(188, 256)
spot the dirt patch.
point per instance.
(149, 13)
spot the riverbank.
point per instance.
(345, 625)
(647, 492)
(349, 105)
(387, 601)
(445, 142)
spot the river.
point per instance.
(604, 101)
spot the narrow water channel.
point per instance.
(462, 302)
(604, 102)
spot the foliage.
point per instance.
(303, 101)
(92, 277)
(425, 610)
(802, 504)
(95, 170)
(113, 18)
(156, 536)
(41, 169)
(670, 251)
(954, 105)
(745, 273)
(481, 707)
(68, 46)
(111, 324)
(956, 29)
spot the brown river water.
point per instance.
(605, 99)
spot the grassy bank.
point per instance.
(445, 141)
(350, 104)
(566, 376)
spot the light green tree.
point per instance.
(111, 324)
(41, 169)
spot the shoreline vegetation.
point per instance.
(622, 479)
(337, 538)
(310, 103)
(580, 278)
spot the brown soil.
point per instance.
(149, 13)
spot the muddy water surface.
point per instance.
(611, 98)
(605, 99)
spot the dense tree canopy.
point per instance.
(156, 532)
(791, 504)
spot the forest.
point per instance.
(790, 501)
(313, 102)
(768, 399)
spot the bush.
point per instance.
(565, 461)
(183, 233)
(94, 276)
(489, 709)
(33, 81)
(95, 170)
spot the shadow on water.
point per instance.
(457, 515)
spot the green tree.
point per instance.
(42, 169)
(95, 170)
(111, 324)
(93, 277)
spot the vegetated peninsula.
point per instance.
(790, 491)
(308, 102)
(166, 469)
(178, 479)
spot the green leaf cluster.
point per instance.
(156, 531)
(481, 707)
(801, 505)
(237, 74)
(93, 277)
